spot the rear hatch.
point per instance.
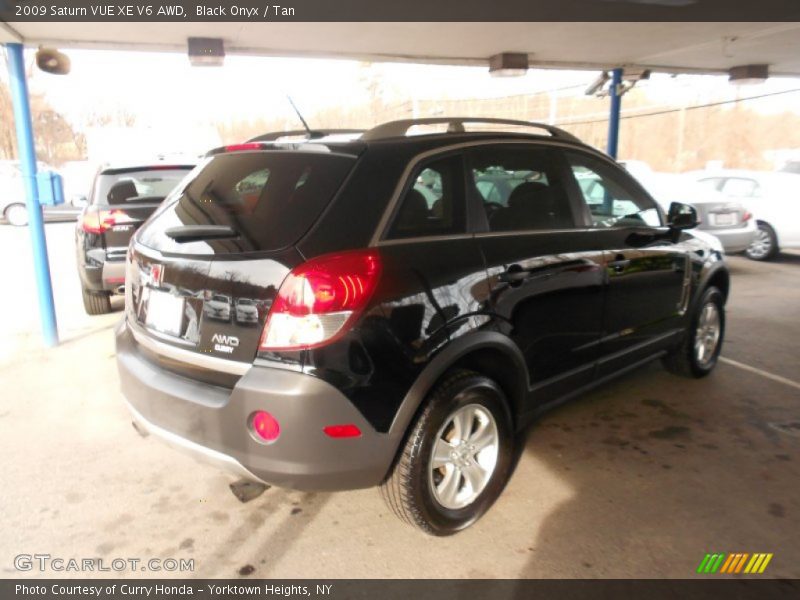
(205, 269)
(124, 198)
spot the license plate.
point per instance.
(165, 312)
(721, 219)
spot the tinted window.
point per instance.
(520, 189)
(129, 186)
(434, 204)
(739, 187)
(612, 200)
(270, 199)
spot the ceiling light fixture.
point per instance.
(206, 52)
(508, 64)
(748, 74)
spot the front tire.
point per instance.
(96, 303)
(697, 355)
(765, 245)
(457, 458)
(16, 214)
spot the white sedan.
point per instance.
(774, 200)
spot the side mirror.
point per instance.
(682, 216)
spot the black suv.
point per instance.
(418, 300)
(123, 196)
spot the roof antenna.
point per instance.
(302, 120)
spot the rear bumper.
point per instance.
(107, 276)
(735, 240)
(210, 422)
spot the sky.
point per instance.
(172, 98)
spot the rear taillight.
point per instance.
(319, 299)
(746, 216)
(98, 221)
(242, 147)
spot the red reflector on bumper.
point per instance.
(265, 427)
(342, 431)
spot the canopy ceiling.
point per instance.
(662, 46)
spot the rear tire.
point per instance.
(765, 245)
(96, 303)
(697, 355)
(465, 428)
(16, 214)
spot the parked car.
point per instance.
(12, 196)
(246, 311)
(771, 197)
(218, 307)
(122, 197)
(726, 219)
(404, 345)
(13, 208)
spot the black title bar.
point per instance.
(398, 10)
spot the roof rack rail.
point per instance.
(314, 134)
(456, 125)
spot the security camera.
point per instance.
(597, 85)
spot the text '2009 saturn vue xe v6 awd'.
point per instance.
(384, 309)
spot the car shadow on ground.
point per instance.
(788, 258)
(662, 470)
(296, 512)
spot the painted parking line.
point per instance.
(766, 374)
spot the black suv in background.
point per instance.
(122, 197)
(414, 301)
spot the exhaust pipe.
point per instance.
(120, 290)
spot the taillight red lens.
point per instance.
(265, 427)
(342, 431)
(99, 221)
(746, 216)
(242, 147)
(318, 298)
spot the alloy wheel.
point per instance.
(17, 215)
(464, 456)
(761, 244)
(707, 334)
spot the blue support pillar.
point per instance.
(27, 159)
(613, 117)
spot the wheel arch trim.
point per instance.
(457, 350)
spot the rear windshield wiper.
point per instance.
(196, 233)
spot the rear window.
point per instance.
(269, 199)
(132, 186)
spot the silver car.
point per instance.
(726, 219)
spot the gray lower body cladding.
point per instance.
(212, 422)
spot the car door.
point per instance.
(546, 275)
(648, 274)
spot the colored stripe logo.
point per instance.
(735, 563)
